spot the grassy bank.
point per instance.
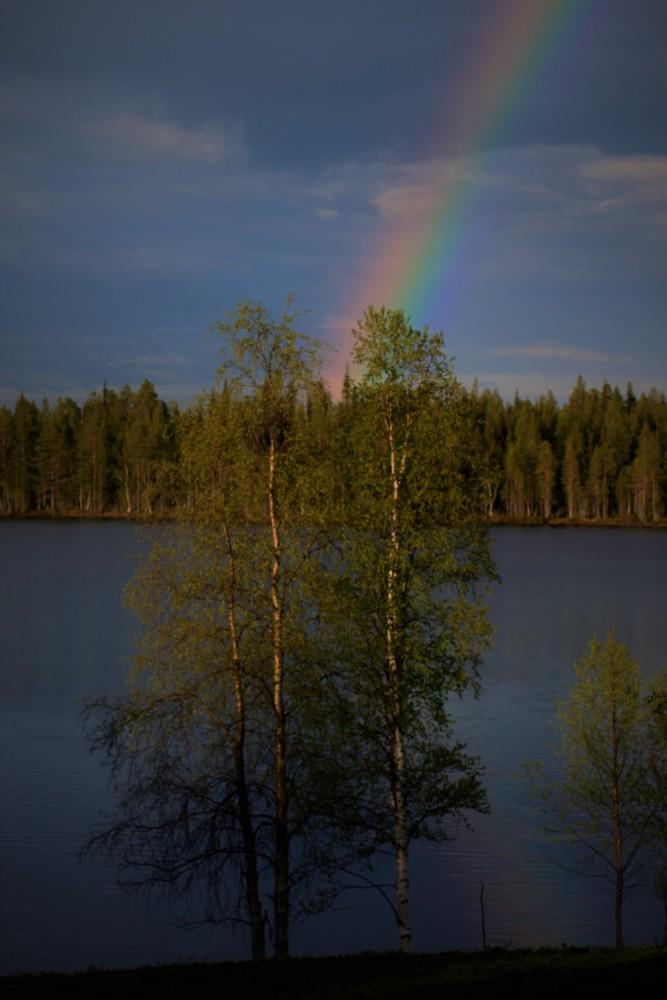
(543, 973)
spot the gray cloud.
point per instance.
(146, 360)
(128, 135)
(134, 123)
(646, 172)
(558, 352)
(569, 182)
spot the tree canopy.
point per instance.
(603, 797)
(413, 562)
(287, 713)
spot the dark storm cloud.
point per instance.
(163, 159)
(318, 80)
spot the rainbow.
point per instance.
(416, 255)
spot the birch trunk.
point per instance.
(401, 836)
(257, 941)
(281, 888)
(126, 484)
(618, 832)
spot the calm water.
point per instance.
(66, 637)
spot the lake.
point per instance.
(66, 637)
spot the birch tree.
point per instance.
(601, 798)
(211, 746)
(272, 364)
(185, 742)
(413, 560)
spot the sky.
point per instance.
(497, 168)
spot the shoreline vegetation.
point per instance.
(598, 459)
(618, 971)
(175, 517)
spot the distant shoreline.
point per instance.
(500, 521)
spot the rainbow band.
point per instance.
(514, 52)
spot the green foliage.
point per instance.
(330, 579)
(602, 798)
(406, 624)
(212, 745)
(599, 456)
(170, 738)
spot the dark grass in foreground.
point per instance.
(543, 973)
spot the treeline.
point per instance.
(601, 455)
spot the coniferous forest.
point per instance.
(600, 456)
